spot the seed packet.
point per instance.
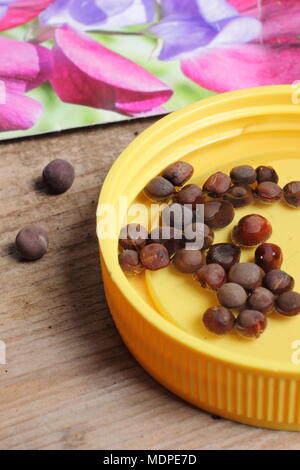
(69, 63)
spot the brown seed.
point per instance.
(225, 254)
(188, 261)
(199, 234)
(291, 193)
(178, 173)
(268, 192)
(288, 304)
(251, 323)
(243, 174)
(59, 176)
(261, 299)
(211, 276)
(170, 237)
(219, 320)
(248, 275)
(133, 237)
(154, 256)
(252, 230)
(239, 196)
(278, 281)
(159, 189)
(232, 295)
(218, 214)
(130, 262)
(268, 256)
(32, 242)
(217, 184)
(266, 173)
(190, 194)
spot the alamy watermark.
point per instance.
(173, 221)
(2, 92)
(295, 357)
(2, 353)
(296, 92)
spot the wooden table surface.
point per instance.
(69, 381)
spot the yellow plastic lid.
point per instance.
(159, 314)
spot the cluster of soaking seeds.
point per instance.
(246, 292)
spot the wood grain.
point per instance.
(69, 382)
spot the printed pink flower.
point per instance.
(270, 59)
(16, 12)
(89, 74)
(280, 17)
(23, 66)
